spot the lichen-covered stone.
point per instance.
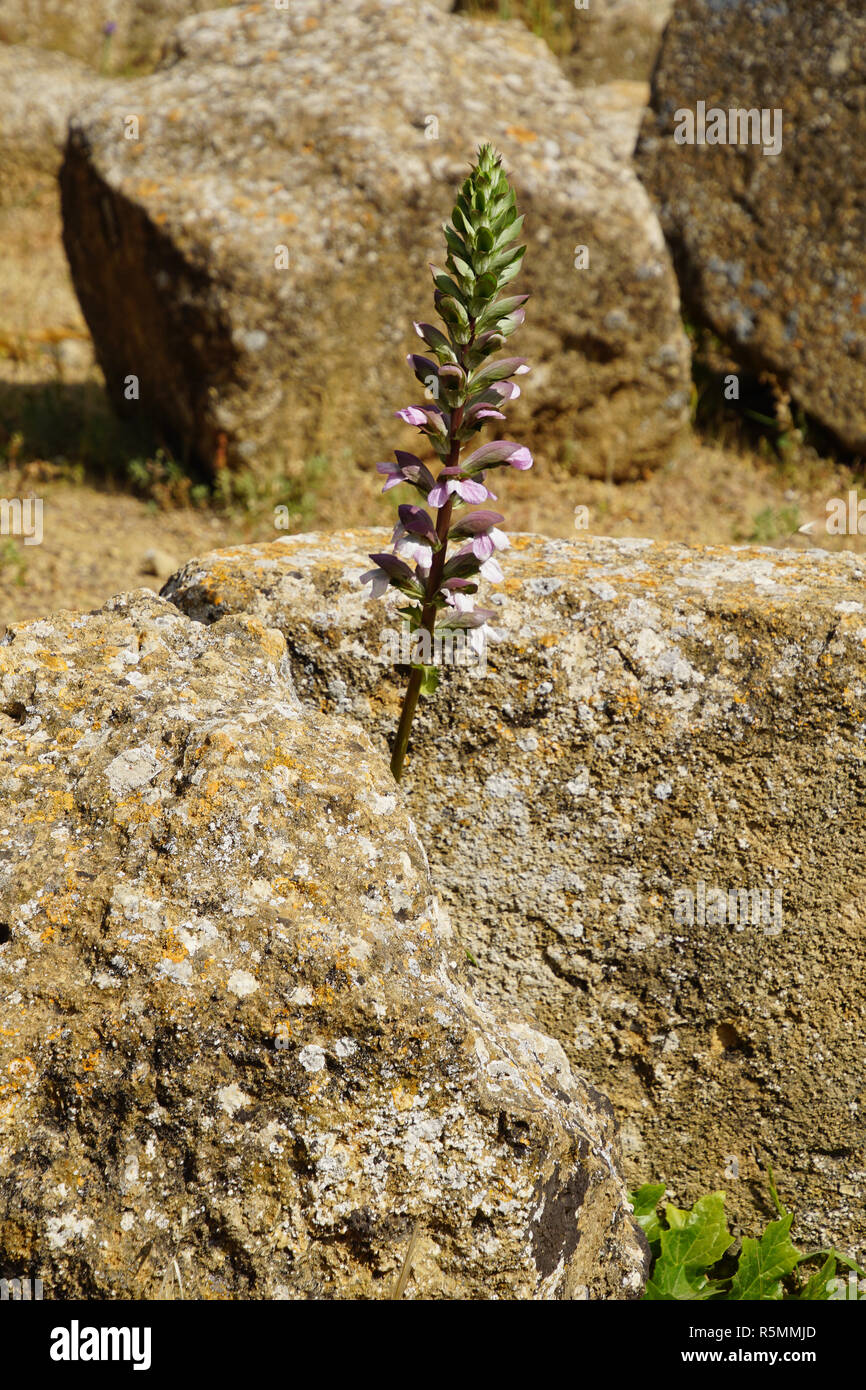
(653, 718)
(256, 254)
(236, 1059)
(769, 249)
(40, 89)
(76, 27)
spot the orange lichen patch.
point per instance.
(241, 202)
(24, 768)
(220, 740)
(54, 663)
(68, 736)
(57, 910)
(147, 188)
(403, 1095)
(71, 705)
(175, 114)
(629, 701)
(21, 1071)
(311, 23)
(91, 1061)
(134, 810)
(289, 218)
(173, 949)
(271, 56)
(521, 134)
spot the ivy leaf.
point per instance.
(645, 1201)
(763, 1263)
(695, 1241)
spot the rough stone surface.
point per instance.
(652, 717)
(40, 90)
(769, 249)
(75, 27)
(235, 1058)
(617, 39)
(308, 129)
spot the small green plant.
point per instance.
(771, 523)
(694, 1255)
(558, 22)
(10, 555)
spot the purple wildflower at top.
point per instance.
(467, 386)
(109, 28)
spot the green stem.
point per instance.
(407, 714)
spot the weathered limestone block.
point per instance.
(253, 250)
(236, 1058)
(40, 90)
(656, 724)
(769, 246)
(77, 27)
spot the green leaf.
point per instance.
(765, 1262)
(645, 1202)
(444, 282)
(512, 229)
(412, 614)
(508, 274)
(499, 309)
(463, 269)
(430, 681)
(695, 1241)
(817, 1288)
(455, 242)
(503, 259)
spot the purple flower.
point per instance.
(416, 522)
(407, 469)
(412, 415)
(109, 28)
(485, 565)
(470, 490)
(496, 453)
(390, 569)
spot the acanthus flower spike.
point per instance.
(468, 386)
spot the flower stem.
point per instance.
(407, 714)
